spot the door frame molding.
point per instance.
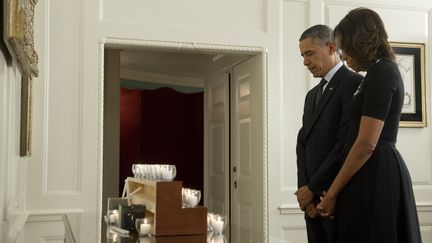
(120, 43)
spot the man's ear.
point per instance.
(332, 47)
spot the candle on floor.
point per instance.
(145, 228)
(114, 216)
(218, 224)
(111, 218)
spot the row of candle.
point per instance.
(154, 172)
(211, 238)
(143, 227)
(216, 223)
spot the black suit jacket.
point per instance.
(320, 140)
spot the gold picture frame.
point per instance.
(411, 60)
(19, 38)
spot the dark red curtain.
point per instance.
(130, 133)
(162, 126)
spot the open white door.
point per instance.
(246, 156)
(218, 149)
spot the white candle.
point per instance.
(218, 225)
(114, 217)
(114, 238)
(192, 200)
(111, 218)
(167, 175)
(144, 229)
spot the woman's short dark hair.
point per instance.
(363, 37)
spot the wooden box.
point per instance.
(163, 201)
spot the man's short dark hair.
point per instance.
(320, 33)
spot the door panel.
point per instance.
(247, 223)
(218, 168)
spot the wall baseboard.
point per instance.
(292, 208)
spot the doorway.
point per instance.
(162, 124)
(235, 160)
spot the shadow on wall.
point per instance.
(162, 126)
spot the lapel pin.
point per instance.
(331, 88)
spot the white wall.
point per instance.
(12, 167)
(63, 170)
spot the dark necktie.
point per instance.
(319, 91)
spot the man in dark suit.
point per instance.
(325, 122)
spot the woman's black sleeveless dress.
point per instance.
(377, 205)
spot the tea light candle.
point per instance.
(111, 218)
(145, 228)
(114, 217)
(218, 226)
(114, 238)
(217, 223)
(192, 200)
(167, 175)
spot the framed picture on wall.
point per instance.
(411, 60)
(18, 35)
(3, 47)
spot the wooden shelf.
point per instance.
(163, 201)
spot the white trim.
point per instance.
(299, 1)
(424, 207)
(45, 217)
(160, 78)
(46, 102)
(16, 227)
(4, 101)
(291, 208)
(51, 238)
(376, 5)
(180, 46)
(264, 144)
(99, 194)
(293, 228)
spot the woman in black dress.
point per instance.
(372, 198)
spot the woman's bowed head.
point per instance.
(362, 39)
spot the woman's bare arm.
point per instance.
(360, 152)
